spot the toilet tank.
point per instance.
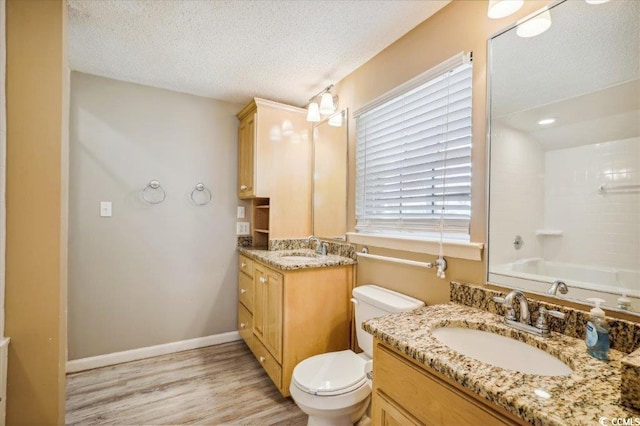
(372, 301)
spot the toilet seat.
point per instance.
(330, 374)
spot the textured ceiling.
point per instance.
(234, 50)
(587, 48)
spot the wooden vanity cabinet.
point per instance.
(267, 318)
(407, 393)
(245, 299)
(274, 164)
(246, 148)
(296, 314)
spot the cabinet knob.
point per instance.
(262, 359)
(243, 187)
(243, 290)
(243, 325)
(242, 265)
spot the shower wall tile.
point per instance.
(517, 177)
(600, 227)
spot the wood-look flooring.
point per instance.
(222, 384)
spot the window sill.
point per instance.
(456, 249)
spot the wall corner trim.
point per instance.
(89, 363)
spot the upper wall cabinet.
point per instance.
(274, 161)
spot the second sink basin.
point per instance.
(501, 351)
(298, 258)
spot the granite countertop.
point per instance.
(591, 392)
(295, 259)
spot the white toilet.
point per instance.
(333, 388)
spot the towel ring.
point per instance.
(153, 187)
(200, 188)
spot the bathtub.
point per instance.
(536, 275)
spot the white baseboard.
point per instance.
(82, 364)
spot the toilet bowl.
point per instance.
(334, 388)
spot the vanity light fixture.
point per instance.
(534, 26)
(503, 8)
(328, 105)
(546, 121)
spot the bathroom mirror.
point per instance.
(330, 177)
(564, 160)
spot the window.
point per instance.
(413, 159)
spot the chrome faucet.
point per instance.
(541, 328)
(321, 248)
(558, 286)
(517, 295)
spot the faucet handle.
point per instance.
(510, 314)
(541, 323)
(556, 314)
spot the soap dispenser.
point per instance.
(597, 337)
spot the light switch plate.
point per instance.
(243, 228)
(105, 208)
(240, 214)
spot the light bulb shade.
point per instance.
(313, 112)
(326, 104)
(503, 8)
(535, 26)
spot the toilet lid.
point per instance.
(333, 373)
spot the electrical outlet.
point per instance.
(240, 214)
(243, 228)
(105, 208)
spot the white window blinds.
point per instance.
(413, 160)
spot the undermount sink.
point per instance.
(501, 351)
(297, 258)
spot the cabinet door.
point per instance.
(273, 315)
(246, 141)
(259, 292)
(387, 413)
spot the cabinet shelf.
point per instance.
(262, 207)
(262, 231)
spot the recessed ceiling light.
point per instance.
(596, 1)
(546, 121)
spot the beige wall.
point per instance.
(460, 26)
(35, 296)
(150, 274)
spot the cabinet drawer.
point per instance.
(245, 326)
(429, 398)
(245, 291)
(269, 363)
(245, 265)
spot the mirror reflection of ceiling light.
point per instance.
(542, 393)
(287, 128)
(502, 8)
(546, 121)
(534, 26)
